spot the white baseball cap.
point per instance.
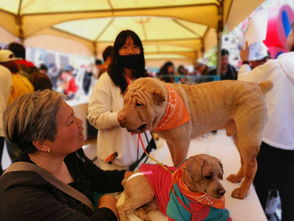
(257, 51)
(6, 55)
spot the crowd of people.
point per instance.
(41, 129)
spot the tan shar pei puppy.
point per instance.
(180, 112)
(198, 178)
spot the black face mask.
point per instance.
(129, 61)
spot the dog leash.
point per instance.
(152, 158)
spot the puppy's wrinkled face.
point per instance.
(202, 173)
(143, 104)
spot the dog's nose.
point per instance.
(220, 192)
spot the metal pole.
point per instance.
(95, 49)
(220, 28)
(19, 23)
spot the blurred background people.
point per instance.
(67, 82)
(183, 72)
(43, 69)
(26, 68)
(107, 56)
(227, 71)
(167, 72)
(20, 84)
(40, 81)
(203, 72)
(53, 74)
(100, 68)
(252, 56)
(87, 79)
(116, 147)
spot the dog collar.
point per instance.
(176, 112)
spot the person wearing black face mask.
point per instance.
(129, 61)
(116, 147)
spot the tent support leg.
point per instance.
(220, 28)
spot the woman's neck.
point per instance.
(54, 165)
(47, 161)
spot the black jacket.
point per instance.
(25, 195)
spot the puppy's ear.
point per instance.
(193, 170)
(221, 166)
(158, 97)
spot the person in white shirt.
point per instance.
(116, 147)
(276, 156)
(5, 91)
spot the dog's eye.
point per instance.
(139, 104)
(208, 177)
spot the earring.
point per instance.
(49, 150)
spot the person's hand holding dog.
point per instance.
(109, 202)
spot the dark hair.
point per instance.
(40, 81)
(98, 61)
(164, 67)
(115, 70)
(107, 52)
(180, 69)
(163, 73)
(32, 117)
(18, 50)
(224, 52)
(43, 67)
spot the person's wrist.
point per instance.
(109, 202)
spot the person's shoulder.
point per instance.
(24, 63)
(104, 77)
(4, 72)
(15, 179)
(4, 69)
(105, 81)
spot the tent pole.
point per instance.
(220, 28)
(19, 23)
(95, 49)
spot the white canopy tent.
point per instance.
(178, 28)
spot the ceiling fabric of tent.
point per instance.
(179, 26)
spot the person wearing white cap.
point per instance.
(276, 156)
(252, 56)
(20, 86)
(5, 90)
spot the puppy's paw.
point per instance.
(234, 178)
(238, 193)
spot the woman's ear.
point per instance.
(41, 145)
